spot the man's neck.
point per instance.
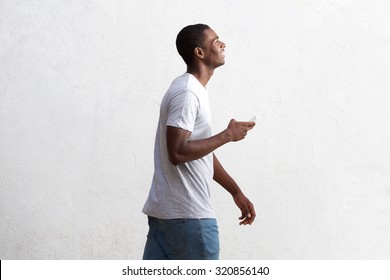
(202, 74)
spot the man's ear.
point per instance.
(199, 52)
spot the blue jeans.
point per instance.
(182, 239)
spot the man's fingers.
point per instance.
(248, 214)
(252, 213)
(247, 125)
(250, 124)
(245, 217)
(247, 209)
(239, 130)
(246, 221)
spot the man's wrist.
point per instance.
(227, 135)
(235, 191)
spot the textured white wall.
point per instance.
(80, 87)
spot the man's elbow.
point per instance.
(175, 159)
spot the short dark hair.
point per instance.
(188, 39)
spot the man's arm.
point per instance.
(248, 213)
(181, 149)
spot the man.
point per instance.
(182, 222)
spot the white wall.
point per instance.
(80, 87)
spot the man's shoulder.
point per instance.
(181, 83)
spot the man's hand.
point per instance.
(238, 130)
(248, 213)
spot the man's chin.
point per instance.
(222, 63)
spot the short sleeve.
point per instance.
(183, 108)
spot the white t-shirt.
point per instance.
(182, 191)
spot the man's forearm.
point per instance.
(248, 213)
(181, 149)
(185, 151)
(224, 179)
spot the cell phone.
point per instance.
(253, 119)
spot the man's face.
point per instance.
(214, 49)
